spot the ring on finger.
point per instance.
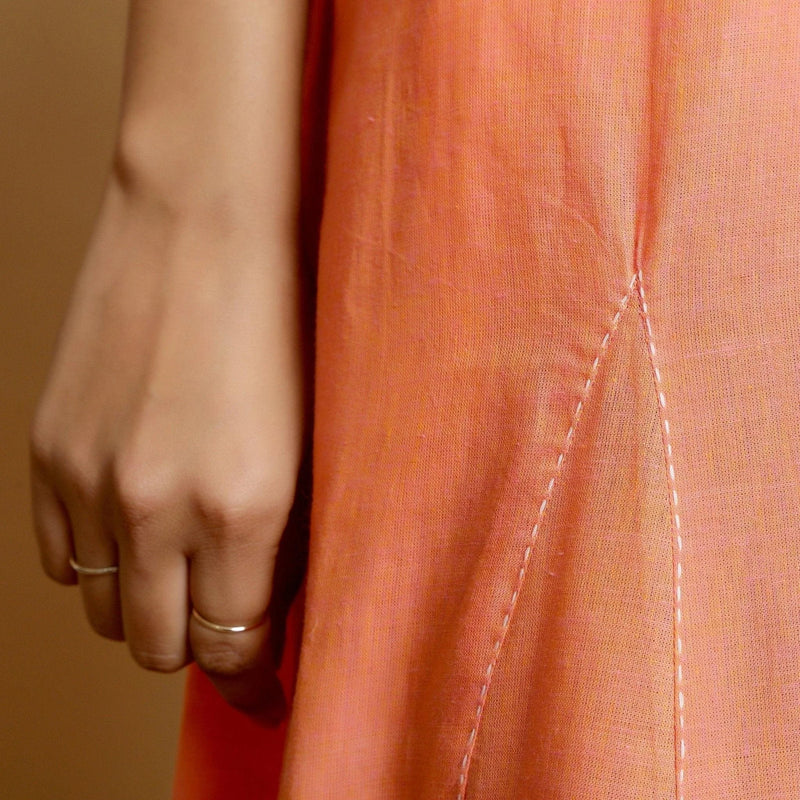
(81, 570)
(214, 626)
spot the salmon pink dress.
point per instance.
(555, 531)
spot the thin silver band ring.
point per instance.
(81, 570)
(214, 626)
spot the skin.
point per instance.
(169, 434)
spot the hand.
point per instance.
(169, 437)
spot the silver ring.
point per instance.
(213, 626)
(81, 570)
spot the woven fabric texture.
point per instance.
(555, 537)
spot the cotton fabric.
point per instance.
(555, 533)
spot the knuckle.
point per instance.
(157, 662)
(67, 462)
(138, 495)
(222, 660)
(40, 444)
(229, 506)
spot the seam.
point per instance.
(677, 551)
(466, 761)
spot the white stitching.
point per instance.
(677, 580)
(484, 691)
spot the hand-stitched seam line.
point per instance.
(677, 551)
(466, 761)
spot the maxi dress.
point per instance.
(555, 519)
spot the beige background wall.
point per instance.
(78, 721)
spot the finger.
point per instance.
(241, 667)
(51, 523)
(95, 548)
(231, 586)
(155, 598)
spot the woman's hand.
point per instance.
(169, 435)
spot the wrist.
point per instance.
(205, 173)
(201, 189)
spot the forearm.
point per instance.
(210, 107)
